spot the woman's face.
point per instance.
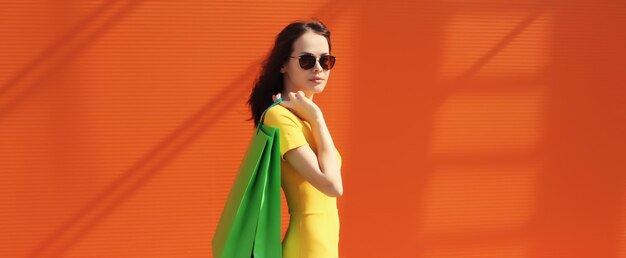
(298, 79)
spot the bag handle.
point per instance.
(258, 127)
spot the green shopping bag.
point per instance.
(250, 222)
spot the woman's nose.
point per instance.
(318, 67)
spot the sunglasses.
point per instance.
(307, 61)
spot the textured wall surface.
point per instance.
(473, 128)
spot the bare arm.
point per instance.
(322, 170)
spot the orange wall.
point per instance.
(467, 128)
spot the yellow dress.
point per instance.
(314, 220)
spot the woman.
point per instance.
(297, 68)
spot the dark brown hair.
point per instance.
(270, 80)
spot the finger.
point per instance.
(301, 94)
(292, 96)
(276, 96)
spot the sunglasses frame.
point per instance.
(331, 59)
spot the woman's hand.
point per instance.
(300, 105)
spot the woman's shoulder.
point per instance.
(280, 113)
(279, 110)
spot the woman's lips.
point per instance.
(317, 80)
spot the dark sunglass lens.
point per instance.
(327, 62)
(307, 61)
